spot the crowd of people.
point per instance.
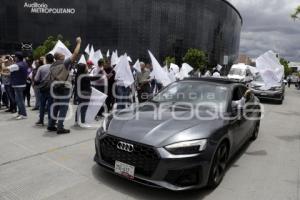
(55, 79)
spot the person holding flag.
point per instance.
(59, 72)
(124, 80)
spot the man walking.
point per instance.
(60, 89)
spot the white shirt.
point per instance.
(13, 68)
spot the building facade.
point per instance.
(166, 27)
(246, 60)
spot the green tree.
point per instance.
(287, 70)
(169, 60)
(296, 13)
(48, 45)
(196, 58)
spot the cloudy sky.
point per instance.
(268, 26)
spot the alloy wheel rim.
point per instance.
(220, 163)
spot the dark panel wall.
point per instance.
(166, 27)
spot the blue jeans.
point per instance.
(60, 110)
(81, 109)
(45, 102)
(123, 97)
(20, 100)
(11, 96)
(37, 95)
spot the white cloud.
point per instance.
(267, 25)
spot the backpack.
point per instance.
(58, 72)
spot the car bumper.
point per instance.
(269, 95)
(172, 172)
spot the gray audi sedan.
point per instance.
(183, 137)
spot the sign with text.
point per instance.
(44, 8)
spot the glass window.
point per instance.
(194, 93)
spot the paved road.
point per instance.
(38, 165)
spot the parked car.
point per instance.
(179, 154)
(275, 93)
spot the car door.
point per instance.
(248, 113)
(239, 124)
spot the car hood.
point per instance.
(259, 85)
(140, 126)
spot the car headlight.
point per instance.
(188, 147)
(278, 88)
(103, 127)
(104, 124)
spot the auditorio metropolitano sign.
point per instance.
(43, 8)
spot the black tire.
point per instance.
(218, 167)
(255, 132)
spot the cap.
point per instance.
(89, 62)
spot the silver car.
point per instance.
(182, 138)
(275, 93)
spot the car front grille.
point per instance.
(144, 158)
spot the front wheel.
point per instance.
(218, 167)
(255, 131)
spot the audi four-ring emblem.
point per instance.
(125, 147)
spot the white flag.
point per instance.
(174, 68)
(61, 48)
(96, 57)
(101, 55)
(123, 71)
(219, 67)
(172, 76)
(270, 69)
(114, 58)
(165, 68)
(107, 54)
(87, 49)
(91, 55)
(137, 66)
(96, 102)
(92, 48)
(158, 71)
(185, 70)
(129, 59)
(82, 60)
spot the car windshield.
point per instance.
(237, 71)
(194, 93)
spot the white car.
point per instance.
(241, 72)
